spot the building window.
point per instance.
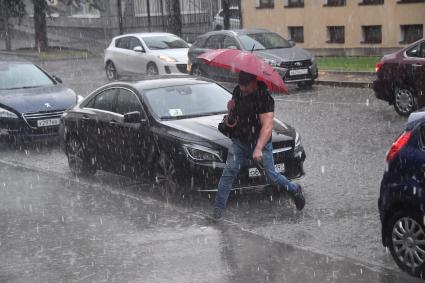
(296, 34)
(411, 33)
(371, 2)
(335, 3)
(294, 3)
(335, 34)
(410, 1)
(84, 10)
(158, 9)
(372, 34)
(265, 4)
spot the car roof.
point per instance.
(146, 83)
(237, 31)
(145, 34)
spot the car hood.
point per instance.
(205, 130)
(32, 100)
(284, 54)
(180, 54)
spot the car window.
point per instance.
(103, 101)
(214, 42)
(195, 100)
(22, 75)
(123, 42)
(127, 102)
(200, 42)
(165, 42)
(264, 40)
(229, 42)
(417, 51)
(134, 42)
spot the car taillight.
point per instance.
(398, 145)
(378, 66)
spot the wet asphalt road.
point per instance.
(346, 133)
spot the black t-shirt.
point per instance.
(247, 110)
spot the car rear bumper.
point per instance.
(382, 90)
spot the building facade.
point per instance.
(340, 27)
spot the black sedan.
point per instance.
(165, 128)
(31, 102)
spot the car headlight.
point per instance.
(272, 62)
(79, 98)
(167, 58)
(7, 114)
(201, 153)
(297, 140)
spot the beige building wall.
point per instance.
(314, 17)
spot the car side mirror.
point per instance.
(292, 43)
(139, 49)
(133, 117)
(59, 80)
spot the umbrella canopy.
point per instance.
(237, 60)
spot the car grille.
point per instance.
(296, 64)
(32, 118)
(182, 68)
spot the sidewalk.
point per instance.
(346, 79)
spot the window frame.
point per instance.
(367, 3)
(290, 33)
(403, 33)
(268, 5)
(365, 40)
(142, 112)
(333, 4)
(329, 40)
(299, 4)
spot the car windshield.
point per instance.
(165, 42)
(261, 41)
(22, 75)
(187, 101)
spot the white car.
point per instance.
(235, 22)
(146, 53)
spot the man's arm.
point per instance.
(266, 120)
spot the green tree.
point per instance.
(10, 9)
(41, 12)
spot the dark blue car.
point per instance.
(402, 198)
(31, 102)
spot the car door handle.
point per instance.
(417, 65)
(86, 118)
(113, 123)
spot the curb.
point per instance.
(360, 73)
(38, 59)
(345, 84)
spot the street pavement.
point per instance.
(346, 133)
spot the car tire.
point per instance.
(405, 101)
(305, 85)
(111, 71)
(405, 232)
(79, 164)
(165, 177)
(196, 71)
(152, 69)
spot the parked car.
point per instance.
(234, 19)
(402, 198)
(401, 78)
(146, 53)
(31, 102)
(295, 64)
(165, 128)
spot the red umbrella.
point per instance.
(237, 61)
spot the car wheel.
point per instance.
(152, 69)
(406, 232)
(78, 162)
(165, 177)
(305, 85)
(111, 71)
(404, 101)
(196, 71)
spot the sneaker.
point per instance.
(217, 214)
(298, 197)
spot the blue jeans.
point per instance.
(237, 157)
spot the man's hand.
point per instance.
(257, 155)
(230, 104)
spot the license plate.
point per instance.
(298, 72)
(254, 172)
(48, 122)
